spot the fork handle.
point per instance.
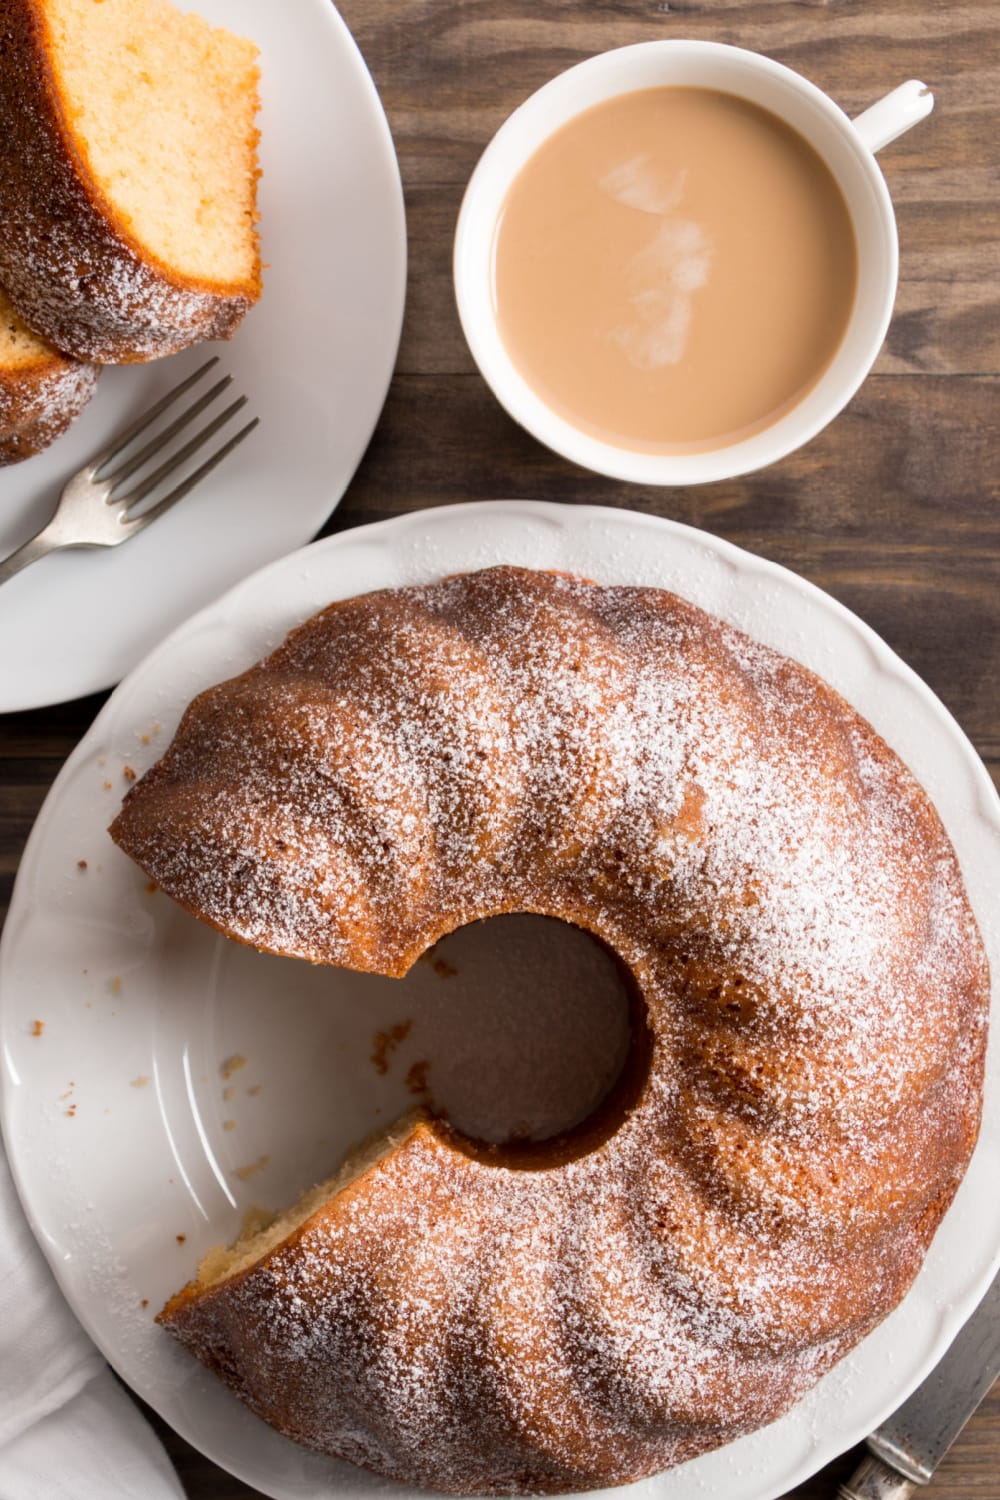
(31, 551)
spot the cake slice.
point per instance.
(128, 173)
(41, 391)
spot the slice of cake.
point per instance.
(128, 174)
(41, 391)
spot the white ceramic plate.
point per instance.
(115, 1116)
(315, 357)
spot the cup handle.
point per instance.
(889, 117)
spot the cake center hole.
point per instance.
(525, 1024)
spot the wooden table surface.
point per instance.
(894, 509)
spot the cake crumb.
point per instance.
(81, 864)
(144, 1302)
(37, 1028)
(151, 887)
(243, 1173)
(229, 1092)
(181, 1238)
(231, 1065)
(128, 773)
(140, 1082)
(229, 1124)
(254, 1090)
(115, 985)
(386, 1042)
(416, 1078)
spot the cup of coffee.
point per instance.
(676, 262)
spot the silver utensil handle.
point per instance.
(874, 1480)
(32, 550)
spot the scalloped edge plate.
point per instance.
(89, 1178)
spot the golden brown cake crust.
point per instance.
(39, 400)
(71, 267)
(789, 906)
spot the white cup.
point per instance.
(847, 146)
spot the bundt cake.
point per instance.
(128, 175)
(494, 1320)
(41, 391)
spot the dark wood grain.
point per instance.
(894, 509)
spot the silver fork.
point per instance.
(90, 512)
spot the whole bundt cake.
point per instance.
(805, 1086)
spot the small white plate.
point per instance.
(156, 1031)
(315, 358)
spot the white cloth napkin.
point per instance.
(67, 1429)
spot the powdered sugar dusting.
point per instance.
(815, 989)
(39, 397)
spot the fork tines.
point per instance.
(158, 443)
